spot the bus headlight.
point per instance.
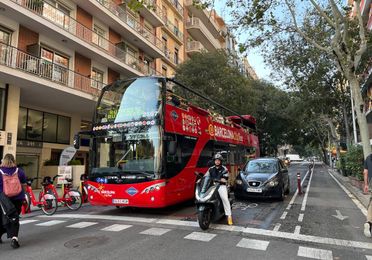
(154, 187)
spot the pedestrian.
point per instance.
(12, 184)
(367, 174)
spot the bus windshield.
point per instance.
(127, 136)
(129, 101)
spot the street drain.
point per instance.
(86, 242)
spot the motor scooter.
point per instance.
(208, 202)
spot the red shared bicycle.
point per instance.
(47, 200)
(71, 198)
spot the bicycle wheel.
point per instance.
(73, 199)
(49, 204)
(27, 202)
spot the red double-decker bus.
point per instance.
(148, 140)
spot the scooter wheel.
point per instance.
(204, 219)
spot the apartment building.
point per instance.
(172, 37)
(56, 55)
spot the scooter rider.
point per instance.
(220, 172)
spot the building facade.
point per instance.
(56, 55)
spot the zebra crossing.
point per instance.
(244, 243)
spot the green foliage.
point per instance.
(74, 162)
(51, 163)
(213, 75)
(354, 162)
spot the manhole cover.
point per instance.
(86, 242)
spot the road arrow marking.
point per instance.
(339, 215)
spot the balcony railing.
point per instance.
(194, 46)
(174, 29)
(198, 23)
(177, 6)
(17, 59)
(175, 59)
(77, 29)
(132, 22)
(151, 5)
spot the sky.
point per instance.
(254, 57)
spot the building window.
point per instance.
(99, 36)
(164, 71)
(56, 12)
(176, 28)
(5, 40)
(97, 78)
(165, 45)
(3, 98)
(176, 60)
(54, 65)
(63, 130)
(36, 125)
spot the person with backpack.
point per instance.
(12, 185)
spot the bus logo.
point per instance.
(174, 115)
(132, 191)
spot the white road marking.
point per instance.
(277, 226)
(82, 224)
(300, 217)
(303, 206)
(155, 231)
(253, 244)
(351, 196)
(369, 257)
(297, 230)
(22, 222)
(205, 237)
(314, 253)
(177, 222)
(254, 231)
(284, 215)
(51, 223)
(296, 193)
(104, 217)
(116, 227)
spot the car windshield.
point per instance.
(260, 166)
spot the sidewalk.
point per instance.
(356, 191)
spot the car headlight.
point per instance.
(273, 183)
(239, 182)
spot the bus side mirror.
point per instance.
(172, 147)
(77, 141)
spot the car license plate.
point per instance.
(120, 201)
(254, 190)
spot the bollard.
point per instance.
(299, 183)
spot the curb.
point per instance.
(363, 198)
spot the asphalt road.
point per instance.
(322, 223)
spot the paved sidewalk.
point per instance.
(357, 192)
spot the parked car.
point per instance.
(262, 178)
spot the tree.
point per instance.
(212, 74)
(343, 38)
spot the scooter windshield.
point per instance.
(206, 183)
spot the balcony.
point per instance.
(173, 30)
(172, 59)
(205, 17)
(193, 47)
(176, 6)
(124, 22)
(79, 38)
(199, 32)
(150, 11)
(14, 58)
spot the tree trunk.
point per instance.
(346, 124)
(362, 120)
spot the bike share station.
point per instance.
(64, 193)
